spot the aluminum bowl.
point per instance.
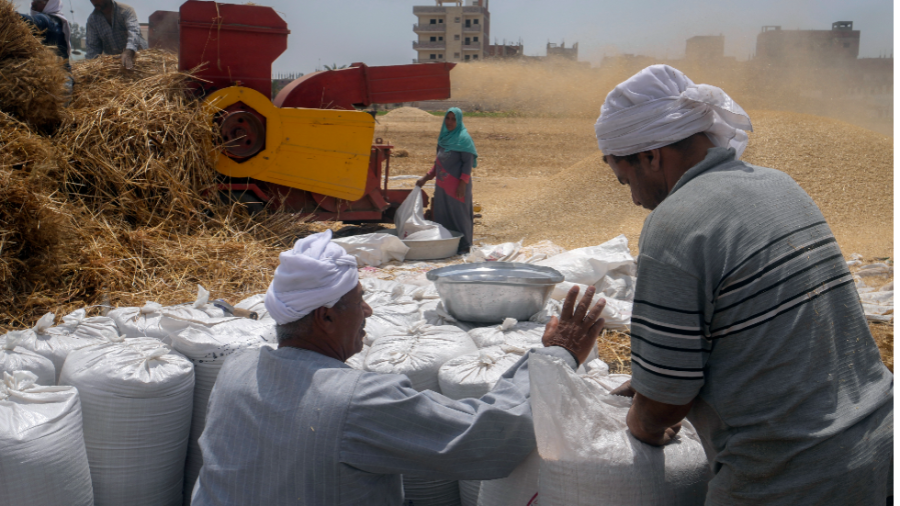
(434, 249)
(488, 292)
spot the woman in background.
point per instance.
(456, 157)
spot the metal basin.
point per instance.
(430, 250)
(488, 292)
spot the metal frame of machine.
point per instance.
(310, 150)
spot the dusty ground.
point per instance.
(543, 179)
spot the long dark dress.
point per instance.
(450, 167)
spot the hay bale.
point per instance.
(32, 77)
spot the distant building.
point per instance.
(814, 47)
(145, 30)
(561, 51)
(455, 33)
(705, 47)
(505, 50)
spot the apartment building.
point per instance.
(452, 31)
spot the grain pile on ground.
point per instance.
(32, 83)
(111, 209)
(410, 115)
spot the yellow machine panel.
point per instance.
(318, 150)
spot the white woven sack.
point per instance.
(15, 358)
(385, 318)
(418, 351)
(43, 460)
(136, 397)
(207, 349)
(421, 492)
(468, 492)
(55, 343)
(588, 457)
(358, 361)
(474, 374)
(524, 334)
(520, 488)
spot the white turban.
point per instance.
(659, 106)
(314, 273)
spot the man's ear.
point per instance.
(650, 160)
(323, 317)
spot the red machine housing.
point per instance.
(235, 45)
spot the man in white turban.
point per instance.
(745, 320)
(297, 425)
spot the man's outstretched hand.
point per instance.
(128, 59)
(577, 327)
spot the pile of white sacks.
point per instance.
(106, 410)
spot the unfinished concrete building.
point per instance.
(561, 51)
(808, 47)
(451, 31)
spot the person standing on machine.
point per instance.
(456, 157)
(113, 29)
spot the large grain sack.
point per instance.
(434, 313)
(520, 488)
(418, 351)
(523, 334)
(16, 358)
(373, 249)
(136, 397)
(475, 374)
(145, 321)
(588, 456)
(401, 312)
(43, 460)
(55, 343)
(257, 304)
(207, 348)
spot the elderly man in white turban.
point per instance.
(746, 319)
(298, 426)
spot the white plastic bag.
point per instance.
(588, 457)
(475, 374)
(43, 460)
(207, 349)
(136, 399)
(587, 266)
(524, 334)
(16, 358)
(418, 351)
(373, 249)
(55, 343)
(411, 223)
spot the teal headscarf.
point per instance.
(459, 139)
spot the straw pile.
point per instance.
(111, 207)
(135, 144)
(31, 75)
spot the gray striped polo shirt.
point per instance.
(744, 302)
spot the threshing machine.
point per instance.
(308, 151)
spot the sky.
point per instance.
(379, 32)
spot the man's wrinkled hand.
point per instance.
(577, 327)
(128, 59)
